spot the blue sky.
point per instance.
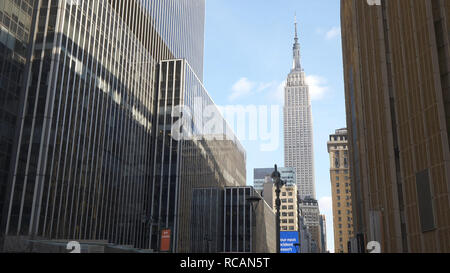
(248, 55)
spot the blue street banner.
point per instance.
(288, 241)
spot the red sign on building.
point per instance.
(165, 240)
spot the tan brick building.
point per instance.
(289, 205)
(397, 80)
(289, 208)
(341, 190)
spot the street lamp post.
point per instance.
(276, 176)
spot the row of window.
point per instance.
(285, 193)
(349, 219)
(345, 178)
(346, 198)
(350, 233)
(339, 204)
(338, 191)
(290, 228)
(348, 226)
(348, 212)
(285, 214)
(338, 138)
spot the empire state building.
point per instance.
(298, 130)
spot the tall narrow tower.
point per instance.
(298, 132)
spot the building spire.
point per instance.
(296, 33)
(297, 64)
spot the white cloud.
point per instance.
(244, 87)
(326, 204)
(317, 86)
(264, 86)
(274, 91)
(241, 88)
(333, 33)
(277, 94)
(318, 89)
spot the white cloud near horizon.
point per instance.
(241, 88)
(333, 33)
(326, 203)
(317, 86)
(277, 94)
(319, 30)
(318, 89)
(245, 87)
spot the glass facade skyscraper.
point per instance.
(194, 148)
(16, 20)
(181, 26)
(249, 225)
(78, 104)
(207, 218)
(231, 220)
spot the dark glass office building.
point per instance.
(194, 148)
(207, 221)
(15, 27)
(231, 220)
(78, 106)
